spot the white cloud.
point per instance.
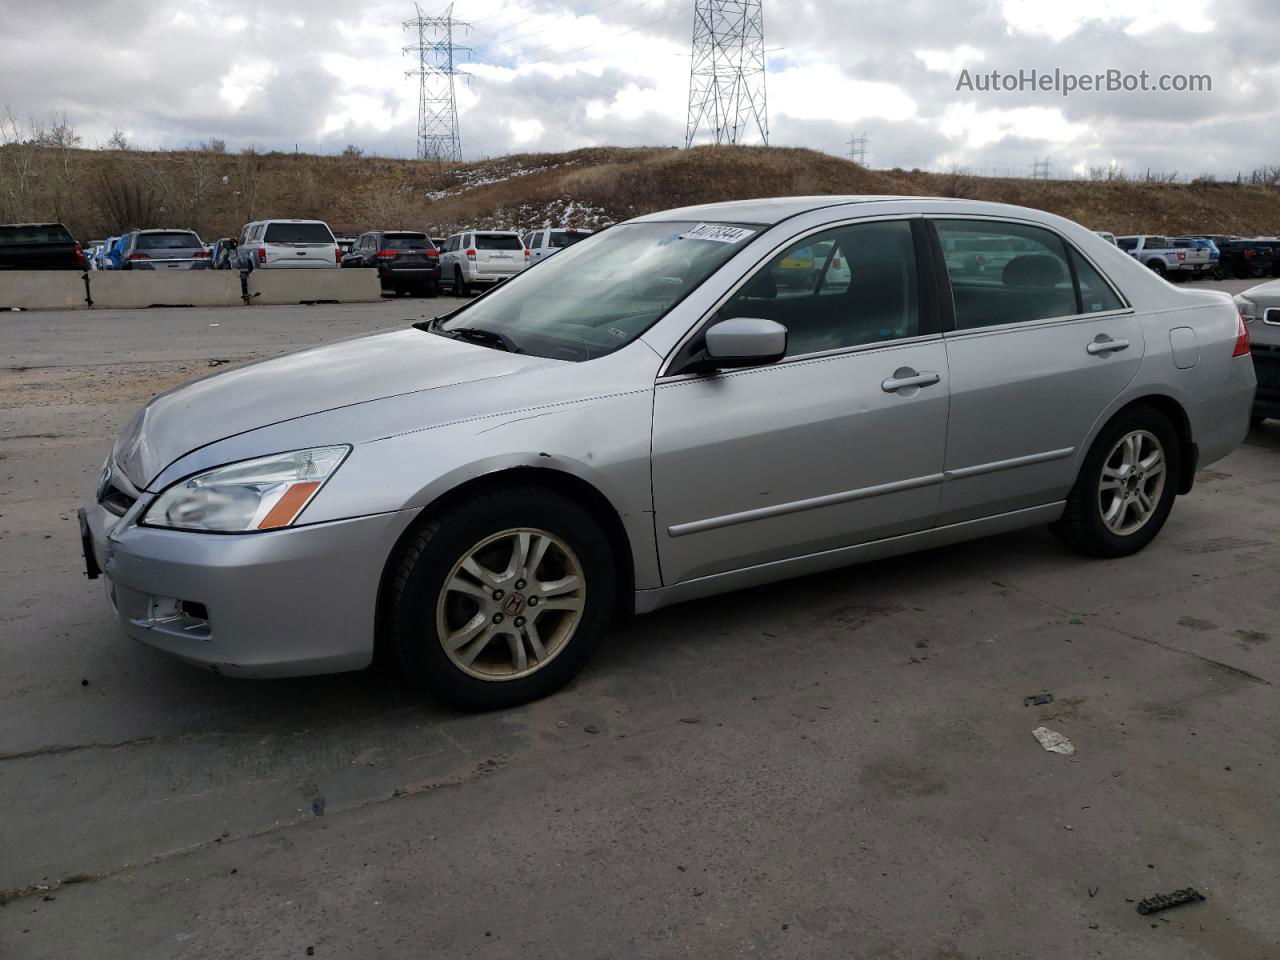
(950, 61)
(975, 128)
(1058, 21)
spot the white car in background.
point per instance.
(293, 244)
(476, 257)
(548, 240)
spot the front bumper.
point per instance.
(290, 602)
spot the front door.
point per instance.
(839, 443)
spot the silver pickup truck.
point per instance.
(1160, 255)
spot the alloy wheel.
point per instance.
(1132, 482)
(511, 604)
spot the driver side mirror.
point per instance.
(744, 342)
(737, 342)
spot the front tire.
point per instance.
(1126, 487)
(1158, 268)
(501, 599)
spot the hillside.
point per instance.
(102, 192)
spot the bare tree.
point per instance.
(118, 140)
(248, 181)
(20, 146)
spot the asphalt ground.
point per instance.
(840, 765)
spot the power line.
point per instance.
(438, 134)
(726, 74)
(858, 149)
(1040, 169)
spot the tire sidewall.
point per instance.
(1156, 423)
(412, 617)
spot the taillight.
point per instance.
(385, 254)
(1181, 255)
(471, 254)
(1242, 338)
(1248, 254)
(835, 263)
(337, 254)
(262, 254)
(79, 254)
(138, 256)
(433, 252)
(201, 255)
(527, 253)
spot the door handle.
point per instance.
(902, 379)
(1104, 345)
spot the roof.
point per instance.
(767, 211)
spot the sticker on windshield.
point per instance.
(717, 232)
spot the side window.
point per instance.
(1095, 294)
(1005, 273)
(842, 288)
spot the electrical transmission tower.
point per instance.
(438, 136)
(1040, 169)
(726, 78)
(858, 149)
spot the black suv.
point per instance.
(39, 246)
(406, 260)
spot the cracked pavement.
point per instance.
(840, 765)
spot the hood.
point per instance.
(300, 384)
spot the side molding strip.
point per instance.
(795, 506)
(998, 465)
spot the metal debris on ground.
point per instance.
(1037, 699)
(1164, 901)
(1053, 742)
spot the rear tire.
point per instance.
(1126, 486)
(455, 580)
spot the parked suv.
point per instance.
(481, 257)
(39, 246)
(296, 244)
(406, 260)
(164, 250)
(543, 243)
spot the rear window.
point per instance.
(176, 240)
(1127, 243)
(298, 233)
(41, 233)
(405, 241)
(562, 238)
(498, 241)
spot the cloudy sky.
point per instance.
(547, 75)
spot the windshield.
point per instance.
(564, 238)
(498, 241)
(600, 294)
(178, 240)
(34, 233)
(405, 241)
(298, 233)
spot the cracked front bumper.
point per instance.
(290, 602)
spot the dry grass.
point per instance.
(103, 192)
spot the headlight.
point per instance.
(257, 494)
(1248, 309)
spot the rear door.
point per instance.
(304, 244)
(1035, 358)
(498, 254)
(839, 443)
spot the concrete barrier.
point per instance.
(42, 289)
(168, 288)
(312, 286)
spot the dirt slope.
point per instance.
(102, 192)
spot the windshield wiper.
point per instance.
(487, 338)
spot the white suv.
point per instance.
(481, 256)
(269, 244)
(543, 243)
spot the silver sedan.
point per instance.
(658, 413)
